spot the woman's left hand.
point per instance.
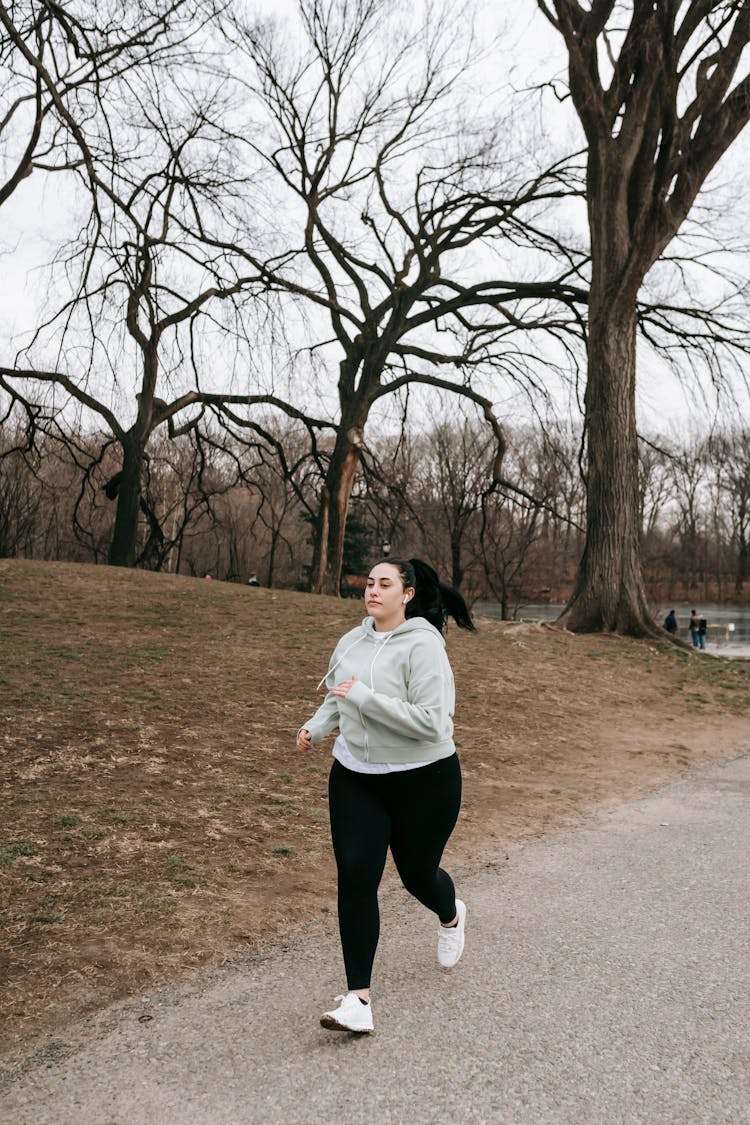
(343, 689)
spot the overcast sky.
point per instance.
(44, 205)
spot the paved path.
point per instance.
(605, 980)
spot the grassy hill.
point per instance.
(157, 815)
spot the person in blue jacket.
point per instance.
(395, 781)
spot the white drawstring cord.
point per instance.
(335, 666)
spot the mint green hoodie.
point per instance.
(401, 707)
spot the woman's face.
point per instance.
(385, 593)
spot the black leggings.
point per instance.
(413, 811)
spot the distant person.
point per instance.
(208, 578)
(253, 580)
(695, 629)
(670, 623)
(396, 780)
(702, 630)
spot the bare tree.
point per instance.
(389, 189)
(730, 455)
(20, 501)
(272, 495)
(553, 481)
(687, 471)
(509, 533)
(656, 88)
(657, 496)
(433, 491)
(152, 161)
(283, 491)
(389, 466)
(60, 55)
(525, 535)
(655, 486)
(452, 471)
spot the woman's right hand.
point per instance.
(304, 739)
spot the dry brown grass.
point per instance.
(156, 815)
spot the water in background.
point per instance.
(728, 626)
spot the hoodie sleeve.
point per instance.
(326, 718)
(427, 710)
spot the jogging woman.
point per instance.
(395, 781)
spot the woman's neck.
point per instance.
(389, 626)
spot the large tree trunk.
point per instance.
(275, 536)
(330, 528)
(123, 549)
(609, 593)
(669, 110)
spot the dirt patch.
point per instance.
(157, 816)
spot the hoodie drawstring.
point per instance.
(333, 667)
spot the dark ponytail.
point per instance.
(433, 599)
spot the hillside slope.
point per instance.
(158, 816)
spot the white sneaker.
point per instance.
(451, 939)
(351, 1015)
